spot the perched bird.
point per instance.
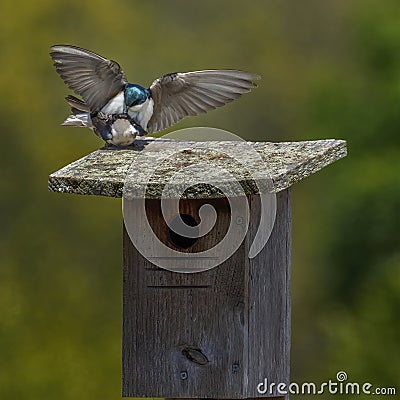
(118, 111)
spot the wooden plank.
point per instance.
(184, 337)
(274, 165)
(269, 300)
(214, 334)
(274, 398)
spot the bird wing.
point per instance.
(179, 94)
(77, 104)
(88, 74)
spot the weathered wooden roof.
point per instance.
(151, 163)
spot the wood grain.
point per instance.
(274, 166)
(213, 334)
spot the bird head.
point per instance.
(135, 94)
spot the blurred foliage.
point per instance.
(329, 69)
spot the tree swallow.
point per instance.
(118, 111)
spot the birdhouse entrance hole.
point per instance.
(177, 233)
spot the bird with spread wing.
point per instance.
(119, 111)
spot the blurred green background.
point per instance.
(330, 69)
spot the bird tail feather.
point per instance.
(80, 113)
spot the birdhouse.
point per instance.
(207, 259)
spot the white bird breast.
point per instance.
(123, 133)
(115, 105)
(122, 130)
(142, 113)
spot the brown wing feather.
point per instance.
(179, 95)
(88, 74)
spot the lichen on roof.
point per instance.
(213, 168)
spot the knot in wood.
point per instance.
(195, 355)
